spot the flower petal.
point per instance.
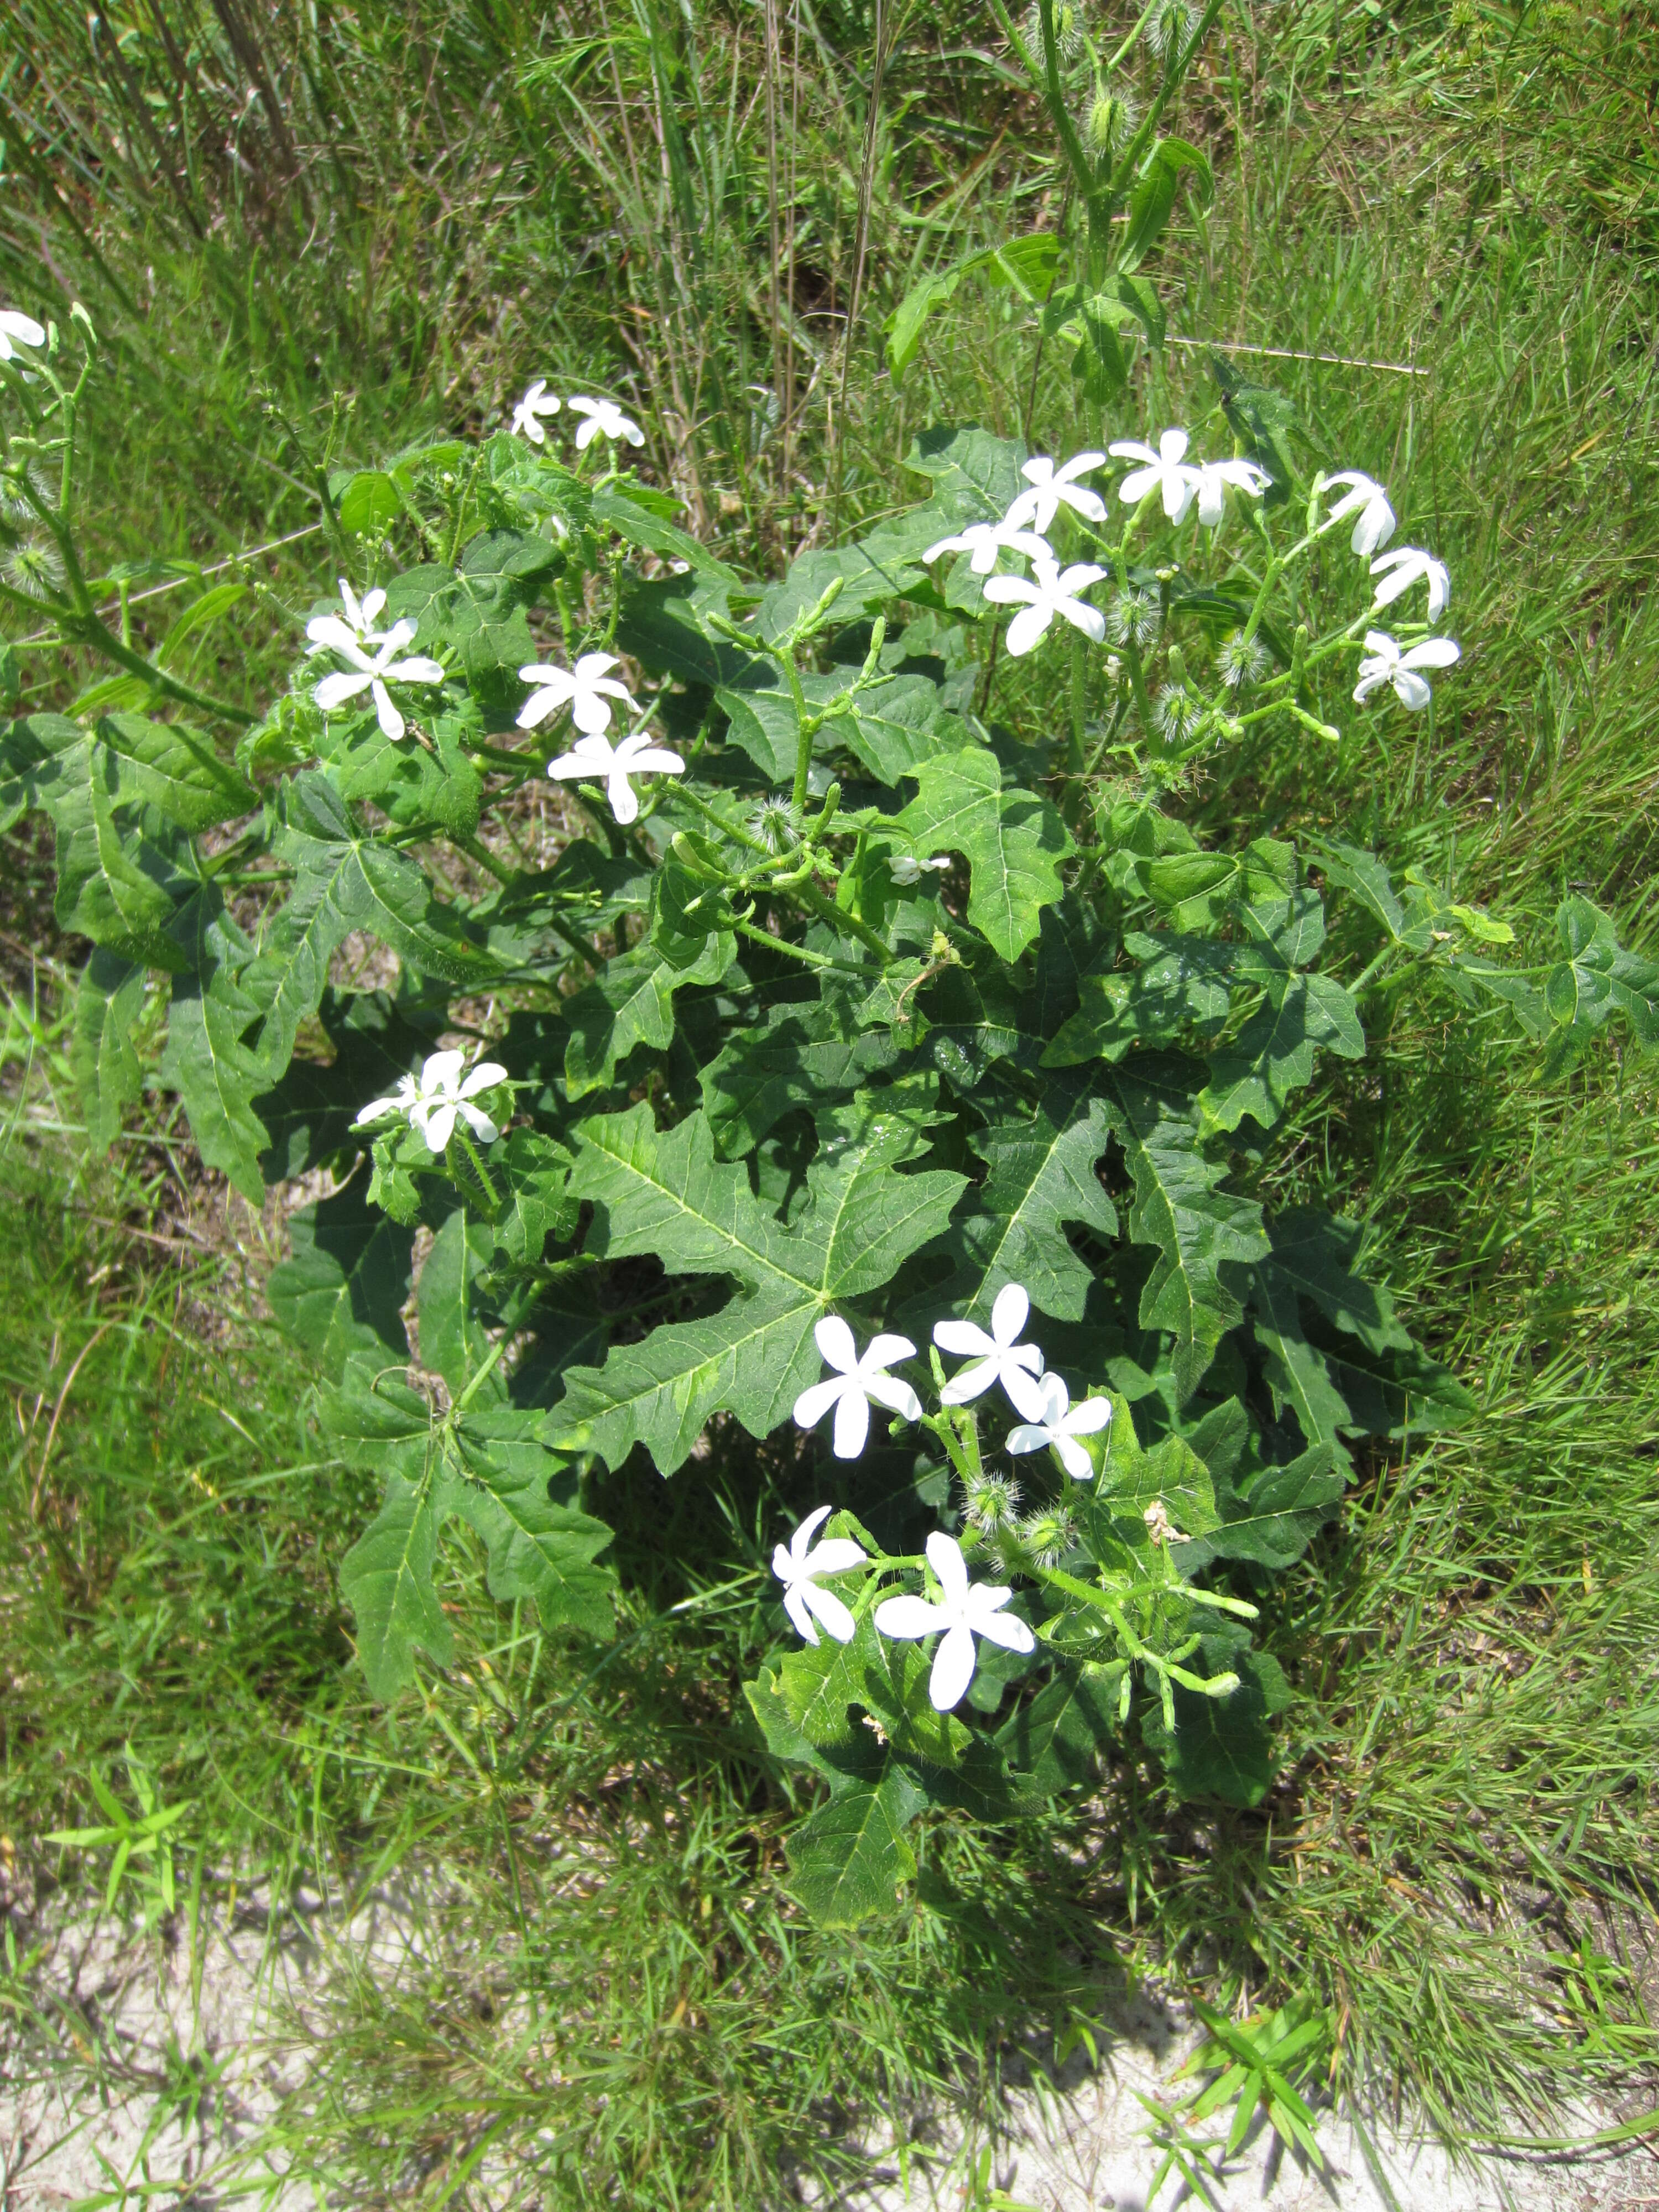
(953, 1669)
(963, 1336)
(1006, 1629)
(884, 1351)
(1029, 1437)
(1009, 591)
(831, 1610)
(1023, 1389)
(334, 690)
(800, 1542)
(1010, 1314)
(970, 1383)
(483, 1077)
(815, 1402)
(909, 1617)
(1092, 1415)
(794, 1604)
(1073, 1456)
(836, 1344)
(1028, 627)
(836, 1555)
(386, 711)
(439, 1128)
(590, 713)
(944, 1558)
(1414, 693)
(852, 1429)
(897, 1395)
(624, 800)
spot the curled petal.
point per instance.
(801, 1541)
(477, 1120)
(1413, 692)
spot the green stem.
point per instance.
(815, 903)
(462, 1135)
(797, 952)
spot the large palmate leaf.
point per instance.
(207, 1061)
(1013, 843)
(1299, 1014)
(387, 1576)
(631, 1003)
(669, 1195)
(1222, 1747)
(801, 1054)
(519, 1497)
(342, 1289)
(134, 762)
(1041, 1178)
(847, 1859)
(454, 1342)
(1059, 1736)
(1203, 1234)
(1271, 1515)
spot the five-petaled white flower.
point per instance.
(997, 1358)
(1212, 478)
(360, 617)
(1366, 500)
(1051, 488)
(371, 676)
(594, 759)
(17, 329)
(432, 1103)
(983, 541)
(587, 690)
(1165, 471)
(1407, 563)
(1054, 592)
(797, 1568)
(965, 1610)
(855, 1383)
(1386, 664)
(526, 415)
(1060, 1424)
(605, 419)
(904, 871)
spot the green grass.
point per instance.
(1468, 1796)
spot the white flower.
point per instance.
(796, 1568)
(605, 419)
(537, 401)
(432, 1103)
(1408, 562)
(1061, 1427)
(360, 614)
(966, 1610)
(22, 329)
(998, 1357)
(1214, 477)
(855, 1383)
(985, 540)
(587, 690)
(1387, 665)
(1055, 592)
(1053, 488)
(905, 871)
(371, 676)
(594, 759)
(1375, 526)
(1166, 471)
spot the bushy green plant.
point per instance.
(869, 997)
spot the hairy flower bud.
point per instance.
(991, 1502)
(1048, 1536)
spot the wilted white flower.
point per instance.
(1054, 592)
(1366, 498)
(797, 1568)
(855, 1382)
(1386, 664)
(965, 1610)
(1213, 478)
(1242, 659)
(1133, 617)
(605, 419)
(371, 676)
(17, 329)
(905, 871)
(985, 540)
(360, 619)
(1407, 563)
(1165, 471)
(432, 1103)
(1053, 487)
(1060, 1424)
(997, 1358)
(594, 759)
(588, 689)
(537, 401)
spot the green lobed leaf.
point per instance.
(801, 1054)
(1203, 1234)
(1013, 843)
(667, 1194)
(847, 1859)
(216, 1074)
(109, 998)
(342, 1290)
(1222, 1747)
(631, 1003)
(454, 1342)
(387, 1577)
(1059, 1736)
(542, 1546)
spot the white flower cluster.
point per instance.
(964, 1610)
(1182, 485)
(349, 637)
(434, 1101)
(602, 418)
